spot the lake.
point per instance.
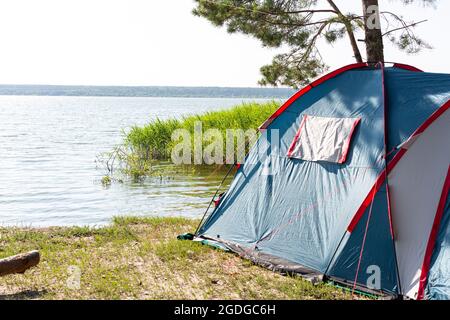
(48, 170)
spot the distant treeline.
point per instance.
(153, 91)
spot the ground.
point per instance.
(140, 258)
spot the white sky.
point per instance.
(159, 42)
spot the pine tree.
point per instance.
(300, 24)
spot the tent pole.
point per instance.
(212, 199)
(334, 254)
(369, 216)
(391, 223)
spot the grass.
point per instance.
(154, 140)
(140, 258)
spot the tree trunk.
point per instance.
(19, 263)
(372, 27)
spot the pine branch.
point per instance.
(404, 27)
(348, 27)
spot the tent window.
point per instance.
(323, 139)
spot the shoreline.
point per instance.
(140, 258)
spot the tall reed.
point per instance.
(154, 140)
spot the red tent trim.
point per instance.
(439, 112)
(393, 163)
(321, 80)
(297, 136)
(306, 89)
(367, 201)
(433, 237)
(406, 67)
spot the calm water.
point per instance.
(48, 173)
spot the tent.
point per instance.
(349, 183)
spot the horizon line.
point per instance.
(144, 86)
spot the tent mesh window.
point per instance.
(323, 139)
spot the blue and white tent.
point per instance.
(349, 182)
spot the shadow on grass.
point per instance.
(23, 295)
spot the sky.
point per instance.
(160, 42)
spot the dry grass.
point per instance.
(140, 258)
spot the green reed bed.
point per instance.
(154, 140)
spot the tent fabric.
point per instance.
(417, 191)
(343, 220)
(323, 139)
(317, 198)
(412, 98)
(438, 284)
(309, 87)
(361, 261)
